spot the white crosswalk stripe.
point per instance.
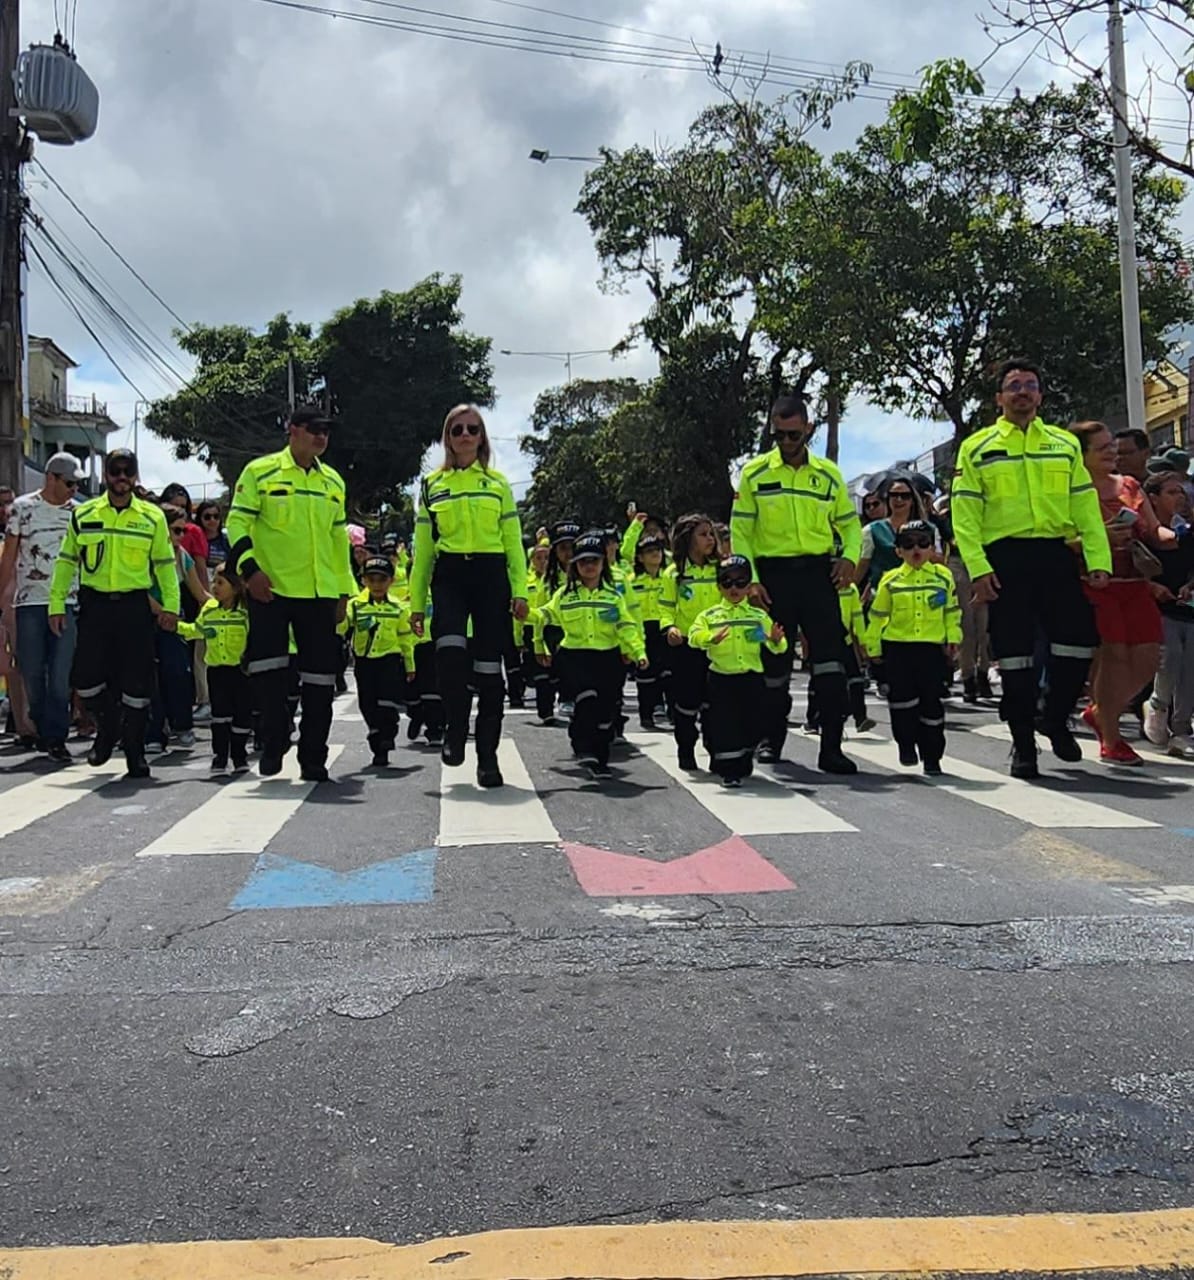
(242, 817)
(42, 797)
(1032, 804)
(513, 814)
(763, 806)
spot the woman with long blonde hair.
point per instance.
(470, 564)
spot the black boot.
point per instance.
(983, 681)
(1023, 765)
(831, 758)
(488, 735)
(133, 736)
(106, 714)
(970, 689)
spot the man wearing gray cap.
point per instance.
(37, 524)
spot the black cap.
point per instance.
(389, 540)
(378, 564)
(565, 531)
(652, 542)
(306, 415)
(733, 567)
(590, 544)
(122, 455)
(913, 529)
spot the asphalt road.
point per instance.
(397, 1008)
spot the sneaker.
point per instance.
(1088, 719)
(154, 747)
(1156, 724)
(219, 764)
(599, 770)
(136, 766)
(566, 710)
(201, 714)
(57, 752)
(381, 760)
(240, 765)
(1181, 746)
(768, 754)
(548, 721)
(313, 773)
(1119, 753)
(186, 738)
(489, 775)
(909, 757)
(932, 768)
(731, 784)
(865, 725)
(647, 724)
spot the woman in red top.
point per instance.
(1126, 611)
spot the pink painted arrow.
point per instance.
(730, 867)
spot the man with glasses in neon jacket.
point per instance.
(791, 515)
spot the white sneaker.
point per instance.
(202, 714)
(1181, 746)
(186, 738)
(1156, 724)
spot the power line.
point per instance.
(124, 261)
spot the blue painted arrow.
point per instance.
(283, 882)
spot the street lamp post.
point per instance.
(544, 156)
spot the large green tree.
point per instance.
(990, 232)
(390, 367)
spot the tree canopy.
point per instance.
(389, 366)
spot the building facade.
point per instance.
(60, 422)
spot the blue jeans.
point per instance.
(172, 700)
(44, 661)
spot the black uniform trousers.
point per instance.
(547, 679)
(381, 692)
(475, 587)
(592, 680)
(268, 665)
(803, 598)
(653, 683)
(231, 712)
(1040, 589)
(734, 721)
(113, 669)
(425, 706)
(914, 685)
(855, 693)
(690, 694)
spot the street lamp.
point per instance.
(566, 356)
(544, 156)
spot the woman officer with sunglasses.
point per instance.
(470, 562)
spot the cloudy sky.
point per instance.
(253, 158)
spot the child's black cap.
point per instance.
(564, 531)
(733, 568)
(589, 545)
(378, 564)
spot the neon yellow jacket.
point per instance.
(682, 598)
(292, 524)
(793, 511)
(915, 606)
(648, 593)
(742, 650)
(225, 630)
(853, 618)
(592, 619)
(115, 549)
(1032, 483)
(466, 511)
(379, 628)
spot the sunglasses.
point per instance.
(787, 435)
(899, 495)
(459, 428)
(211, 515)
(126, 473)
(317, 428)
(1031, 385)
(739, 584)
(70, 484)
(917, 544)
(177, 530)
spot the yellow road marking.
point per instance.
(1043, 1244)
(1068, 858)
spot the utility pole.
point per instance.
(1125, 203)
(12, 213)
